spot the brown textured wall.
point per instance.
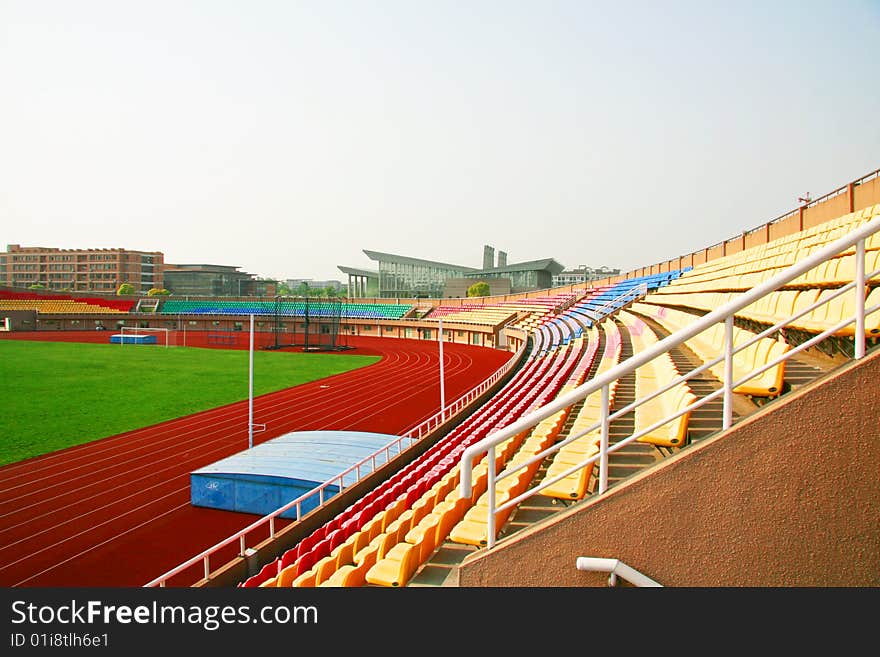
(788, 497)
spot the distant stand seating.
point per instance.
(527, 313)
(62, 304)
(285, 308)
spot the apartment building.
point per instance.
(81, 270)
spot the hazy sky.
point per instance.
(286, 136)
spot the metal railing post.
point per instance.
(727, 418)
(603, 445)
(490, 491)
(859, 338)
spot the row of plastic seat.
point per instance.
(572, 358)
(464, 520)
(124, 305)
(393, 554)
(524, 389)
(571, 481)
(582, 444)
(749, 267)
(651, 378)
(783, 305)
(389, 557)
(789, 248)
(488, 316)
(519, 457)
(833, 272)
(394, 558)
(287, 309)
(526, 313)
(607, 299)
(709, 345)
(49, 306)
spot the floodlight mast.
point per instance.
(442, 388)
(251, 387)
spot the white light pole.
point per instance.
(442, 388)
(251, 388)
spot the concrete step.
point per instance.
(440, 569)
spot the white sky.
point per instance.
(285, 136)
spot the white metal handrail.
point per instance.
(452, 409)
(412, 435)
(615, 568)
(623, 411)
(602, 382)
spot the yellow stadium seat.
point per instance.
(308, 579)
(472, 529)
(770, 381)
(393, 511)
(351, 575)
(286, 576)
(574, 485)
(396, 567)
(665, 405)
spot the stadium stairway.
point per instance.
(531, 386)
(459, 540)
(441, 569)
(556, 366)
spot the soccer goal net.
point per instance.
(162, 337)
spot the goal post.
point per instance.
(137, 335)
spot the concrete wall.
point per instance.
(867, 193)
(834, 207)
(21, 320)
(788, 497)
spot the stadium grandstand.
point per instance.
(704, 421)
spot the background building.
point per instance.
(293, 284)
(81, 270)
(457, 288)
(361, 282)
(523, 276)
(406, 277)
(200, 280)
(583, 274)
(403, 276)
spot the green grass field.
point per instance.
(57, 394)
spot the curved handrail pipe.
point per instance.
(725, 313)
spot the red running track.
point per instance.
(116, 511)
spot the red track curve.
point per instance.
(116, 511)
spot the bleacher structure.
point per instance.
(62, 304)
(613, 382)
(286, 308)
(548, 433)
(389, 534)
